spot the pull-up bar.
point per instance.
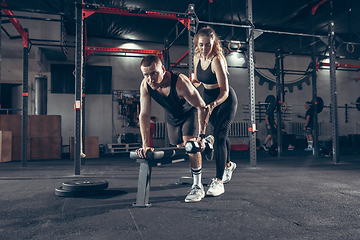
(89, 50)
(89, 9)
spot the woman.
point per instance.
(211, 71)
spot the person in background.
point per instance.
(210, 69)
(308, 127)
(270, 128)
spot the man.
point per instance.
(270, 128)
(180, 99)
(308, 127)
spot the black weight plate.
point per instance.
(85, 185)
(271, 103)
(320, 106)
(358, 104)
(60, 191)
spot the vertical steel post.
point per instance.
(166, 54)
(83, 109)
(278, 102)
(0, 48)
(251, 78)
(314, 95)
(79, 62)
(282, 76)
(333, 94)
(25, 94)
(83, 120)
(192, 32)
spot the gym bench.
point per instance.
(158, 157)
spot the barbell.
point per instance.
(194, 147)
(271, 104)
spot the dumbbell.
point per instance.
(194, 147)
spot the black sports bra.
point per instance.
(205, 76)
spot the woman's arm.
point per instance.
(219, 68)
(194, 81)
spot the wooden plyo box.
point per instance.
(45, 148)
(43, 132)
(91, 147)
(5, 146)
(44, 126)
(16, 148)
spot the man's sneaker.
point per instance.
(216, 188)
(265, 148)
(308, 149)
(196, 194)
(228, 173)
(291, 147)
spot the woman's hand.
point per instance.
(201, 143)
(209, 109)
(141, 152)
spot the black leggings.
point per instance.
(221, 119)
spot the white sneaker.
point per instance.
(196, 194)
(216, 188)
(308, 149)
(265, 148)
(228, 173)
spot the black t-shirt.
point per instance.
(177, 110)
(271, 118)
(310, 112)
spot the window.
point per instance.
(97, 79)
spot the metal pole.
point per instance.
(278, 102)
(333, 94)
(83, 109)
(192, 32)
(0, 49)
(314, 96)
(79, 61)
(282, 74)
(251, 78)
(25, 95)
(166, 54)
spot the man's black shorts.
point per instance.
(188, 128)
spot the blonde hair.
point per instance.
(217, 48)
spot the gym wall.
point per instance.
(126, 75)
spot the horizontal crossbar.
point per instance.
(160, 153)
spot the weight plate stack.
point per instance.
(271, 103)
(81, 188)
(320, 103)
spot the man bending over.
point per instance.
(185, 114)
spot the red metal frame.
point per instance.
(313, 10)
(180, 59)
(88, 12)
(16, 24)
(89, 50)
(110, 10)
(344, 65)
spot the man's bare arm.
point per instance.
(144, 116)
(186, 90)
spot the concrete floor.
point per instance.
(297, 196)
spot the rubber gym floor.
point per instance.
(297, 196)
